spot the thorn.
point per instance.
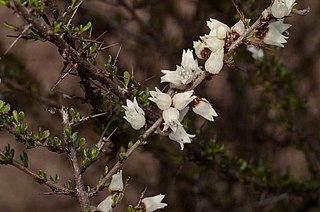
(26, 28)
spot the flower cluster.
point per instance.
(148, 204)
(211, 47)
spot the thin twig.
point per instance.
(115, 168)
(81, 193)
(26, 28)
(53, 186)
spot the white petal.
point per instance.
(134, 114)
(256, 53)
(116, 182)
(238, 28)
(274, 35)
(188, 62)
(199, 47)
(213, 43)
(171, 77)
(171, 119)
(218, 28)
(214, 63)
(153, 203)
(181, 136)
(106, 204)
(279, 9)
(162, 100)
(181, 100)
(183, 113)
(204, 109)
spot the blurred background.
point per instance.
(261, 153)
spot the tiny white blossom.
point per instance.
(171, 77)
(181, 136)
(106, 205)
(281, 8)
(239, 28)
(218, 28)
(185, 73)
(274, 35)
(154, 203)
(181, 100)
(199, 47)
(134, 114)
(256, 52)
(214, 63)
(162, 100)
(171, 119)
(204, 109)
(212, 42)
(116, 182)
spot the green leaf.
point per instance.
(10, 26)
(55, 179)
(70, 185)
(81, 143)
(126, 78)
(95, 151)
(93, 48)
(15, 116)
(24, 159)
(130, 208)
(4, 2)
(74, 137)
(21, 116)
(1, 104)
(106, 170)
(86, 27)
(45, 134)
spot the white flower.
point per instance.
(162, 100)
(239, 28)
(153, 203)
(181, 100)
(171, 77)
(204, 109)
(214, 63)
(281, 8)
(274, 35)
(213, 43)
(185, 73)
(199, 47)
(181, 136)
(256, 52)
(106, 204)
(116, 182)
(218, 29)
(171, 119)
(134, 114)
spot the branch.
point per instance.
(81, 193)
(57, 188)
(117, 166)
(68, 52)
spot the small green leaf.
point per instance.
(70, 185)
(21, 116)
(130, 208)
(10, 26)
(106, 170)
(24, 159)
(123, 156)
(81, 143)
(126, 78)
(15, 116)
(93, 48)
(74, 137)
(86, 27)
(45, 134)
